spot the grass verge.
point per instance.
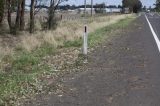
(20, 79)
(101, 34)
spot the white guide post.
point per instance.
(85, 40)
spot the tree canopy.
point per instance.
(133, 5)
(158, 5)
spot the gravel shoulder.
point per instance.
(121, 72)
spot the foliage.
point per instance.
(134, 5)
(18, 6)
(157, 5)
(100, 8)
(51, 8)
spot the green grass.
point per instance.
(28, 61)
(23, 73)
(21, 78)
(100, 35)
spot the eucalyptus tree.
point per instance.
(22, 14)
(51, 12)
(51, 6)
(18, 7)
(2, 7)
(157, 5)
(32, 8)
(133, 5)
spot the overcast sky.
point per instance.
(110, 2)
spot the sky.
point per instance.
(110, 2)
(146, 3)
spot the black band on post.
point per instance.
(85, 29)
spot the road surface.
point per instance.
(122, 72)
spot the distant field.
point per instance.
(63, 16)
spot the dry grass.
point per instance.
(30, 42)
(37, 70)
(66, 31)
(5, 51)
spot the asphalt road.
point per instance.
(122, 72)
(154, 19)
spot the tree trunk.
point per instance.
(2, 5)
(9, 15)
(50, 20)
(17, 23)
(22, 20)
(32, 16)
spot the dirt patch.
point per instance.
(112, 78)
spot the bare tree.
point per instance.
(53, 4)
(35, 7)
(39, 4)
(51, 13)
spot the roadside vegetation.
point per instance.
(134, 5)
(34, 53)
(157, 5)
(38, 45)
(32, 66)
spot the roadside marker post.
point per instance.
(85, 41)
(85, 44)
(61, 17)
